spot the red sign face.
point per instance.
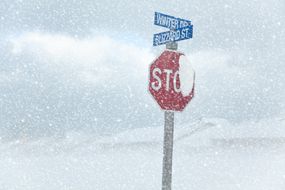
(164, 82)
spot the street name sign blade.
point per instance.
(170, 22)
(173, 35)
(164, 82)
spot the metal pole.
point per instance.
(167, 150)
(168, 140)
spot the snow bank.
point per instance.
(206, 156)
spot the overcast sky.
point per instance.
(83, 65)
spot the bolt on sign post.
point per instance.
(165, 82)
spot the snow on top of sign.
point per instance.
(186, 75)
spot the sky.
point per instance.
(83, 65)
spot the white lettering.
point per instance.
(186, 31)
(156, 85)
(158, 82)
(168, 72)
(174, 82)
(177, 35)
(156, 40)
(174, 24)
(182, 34)
(168, 22)
(183, 23)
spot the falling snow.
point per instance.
(75, 112)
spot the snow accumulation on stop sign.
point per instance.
(186, 75)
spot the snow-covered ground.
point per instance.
(211, 154)
(72, 72)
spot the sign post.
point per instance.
(165, 84)
(168, 139)
(167, 150)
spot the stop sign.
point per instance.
(165, 81)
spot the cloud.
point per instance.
(58, 82)
(93, 60)
(62, 83)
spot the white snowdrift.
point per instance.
(211, 154)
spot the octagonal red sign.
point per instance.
(165, 84)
